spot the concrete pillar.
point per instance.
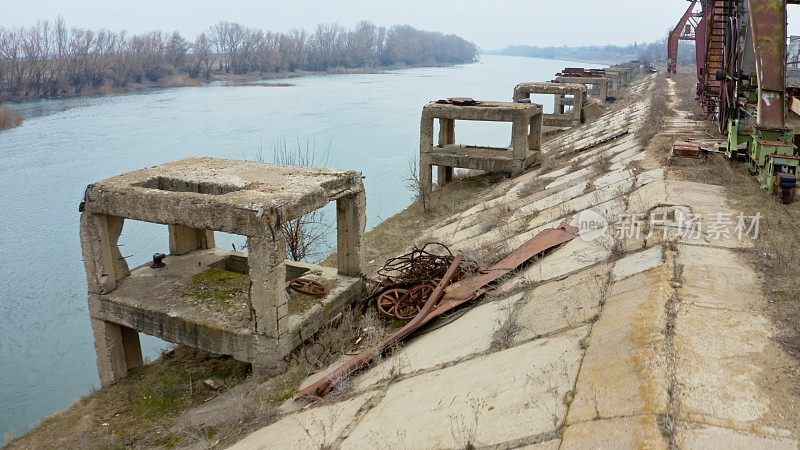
(558, 104)
(425, 176)
(444, 175)
(519, 137)
(447, 136)
(268, 280)
(602, 93)
(425, 147)
(584, 98)
(183, 240)
(101, 256)
(118, 350)
(535, 133)
(351, 221)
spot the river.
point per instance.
(369, 123)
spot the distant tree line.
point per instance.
(599, 53)
(49, 59)
(655, 52)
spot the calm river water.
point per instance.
(368, 123)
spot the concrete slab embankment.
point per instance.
(652, 340)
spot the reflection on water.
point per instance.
(370, 122)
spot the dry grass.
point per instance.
(180, 81)
(138, 410)
(9, 118)
(149, 407)
(395, 234)
(659, 112)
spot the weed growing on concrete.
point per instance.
(414, 185)
(464, 430)
(503, 338)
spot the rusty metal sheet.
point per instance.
(768, 27)
(440, 303)
(768, 143)
(543, 241)
(459, 101)
(324, 385)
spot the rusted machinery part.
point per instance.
(389, 300)
(421, 265)
(785, 187)
(438, 304)
(323, 386)
(729, 104)
(418, 271)
(308, 287)
(404, 304)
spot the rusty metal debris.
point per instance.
(324, 385)
(459, 101)
(308, 287)
(580, 72)
(547, 239)
(438, 302)
(409, 279)
(687, 149)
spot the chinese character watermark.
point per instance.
(672, 222)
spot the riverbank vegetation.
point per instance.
(655, 52)
(9, 118)
(49, 59)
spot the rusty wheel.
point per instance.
(389, 300)
(411, 303)
(308, 287)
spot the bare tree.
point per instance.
(47, 59)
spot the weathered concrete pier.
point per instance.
(569, 100)
(206, 297)
(597, 83)
(446, 154)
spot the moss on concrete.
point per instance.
(300, 303)
(218, 285)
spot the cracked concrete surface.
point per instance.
(648, 342)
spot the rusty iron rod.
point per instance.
(324, 385)
(438, 303)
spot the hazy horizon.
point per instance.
(491, 26)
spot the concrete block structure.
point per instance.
(598, 86)
(446, 154)
(569, 99)
(633, 69)
(207, 297)
(620, 75)
(614, 84)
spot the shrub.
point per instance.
(9, 118)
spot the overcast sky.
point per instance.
(491, 24)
